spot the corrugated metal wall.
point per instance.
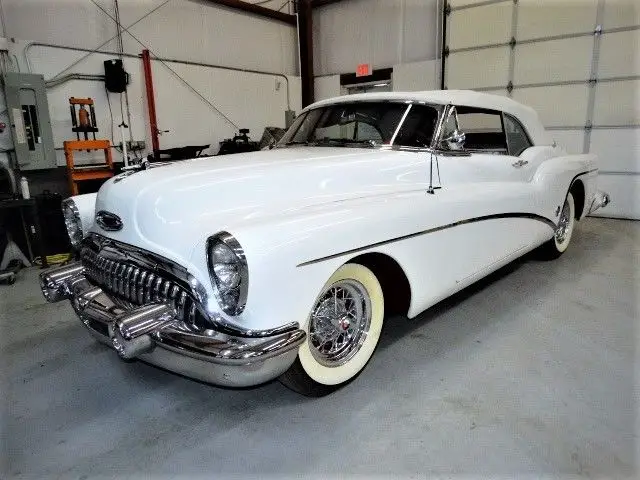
(382, 33)
(576, 62)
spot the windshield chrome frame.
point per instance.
(441, 108)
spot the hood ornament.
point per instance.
(108, 221)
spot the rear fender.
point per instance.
(555, 176)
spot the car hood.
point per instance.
(162, 208)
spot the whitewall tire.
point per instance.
(343, 330)
(563, 232)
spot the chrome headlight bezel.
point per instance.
(231, 300)
(72, 222)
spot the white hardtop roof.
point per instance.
(468, 98)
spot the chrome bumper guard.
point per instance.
(600, 200)
(153, 334)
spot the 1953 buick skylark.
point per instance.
(283, 263)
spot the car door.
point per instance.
(487, 189)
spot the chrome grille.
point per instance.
(140, 286)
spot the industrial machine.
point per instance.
(84, 122)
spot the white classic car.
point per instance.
(283, 263)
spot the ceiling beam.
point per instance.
(257, 10)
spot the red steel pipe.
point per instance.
(151, 102)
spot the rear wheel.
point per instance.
(564, 230)
(342, 332)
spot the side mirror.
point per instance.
(455, 141)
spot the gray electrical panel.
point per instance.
(28, 112)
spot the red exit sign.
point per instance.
(363, 70)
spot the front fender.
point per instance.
(292, 255)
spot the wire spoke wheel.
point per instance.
(339, 323)
(563, 224)
(343, 328)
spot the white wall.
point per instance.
(182, 29)
(326, 87)
(416, 76)
(382, 33)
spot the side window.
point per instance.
(483, 130)
(517, 138)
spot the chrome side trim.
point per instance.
(531, 216)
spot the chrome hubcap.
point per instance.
(563, 225)
(339, 323)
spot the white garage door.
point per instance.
(576, 62)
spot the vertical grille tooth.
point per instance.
(126, 270)
(130, 293)
(131, 283)
(149, 287)
(109, 272)
(110, 267)
(174, 292)
(133, 292)
(123, 279)
(117, 278)
(156, 289)
(113, 270)
(192, 313)
(180, 304)
(165, 290)
(141, 287)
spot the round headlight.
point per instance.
(229, 272)
(72, 221)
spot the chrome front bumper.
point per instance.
(600, 200)
(151, 333)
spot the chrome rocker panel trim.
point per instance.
(152, 334)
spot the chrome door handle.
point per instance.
(519, 163)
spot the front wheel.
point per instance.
(342, 332)
(555, 247)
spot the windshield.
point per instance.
(364, 124)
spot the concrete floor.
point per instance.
(534, 372)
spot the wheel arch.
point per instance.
(393, 280)
(578, 191)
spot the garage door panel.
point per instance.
(568, 59)
(469, 69)
(625, 196)
(571, 140)
(618, 149)
(465, 3)
(484, 25)
(561, 106)
(503, 92)
(546, 18)
(621, 13)
(617, 103)
(619, 54)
